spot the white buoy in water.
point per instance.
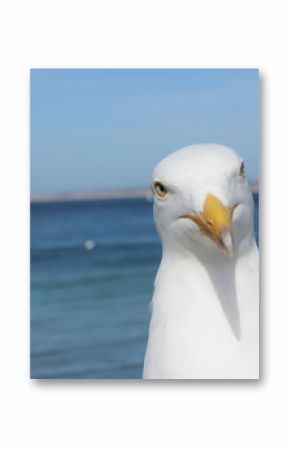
(89, 245)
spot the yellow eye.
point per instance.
(160, 190)
(242, 170)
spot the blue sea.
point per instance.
(90, 305)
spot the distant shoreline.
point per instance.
(103, 195)
(91, 195)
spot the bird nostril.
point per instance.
(209, 222)
(233, 208)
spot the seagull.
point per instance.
(205, 306)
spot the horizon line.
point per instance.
(145, 193)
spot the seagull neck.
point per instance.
(197, 254)
(195, 262)
(198, 281)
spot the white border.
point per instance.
(148, 34)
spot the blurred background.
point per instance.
(95, 138)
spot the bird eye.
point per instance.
(242, 170)
(160, 190)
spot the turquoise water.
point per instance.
(89, 308)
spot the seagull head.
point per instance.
(202, 200)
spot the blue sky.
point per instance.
(106, 129)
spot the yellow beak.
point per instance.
(215, 222)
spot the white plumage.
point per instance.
(205, 306)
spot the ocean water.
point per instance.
(89, 306)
